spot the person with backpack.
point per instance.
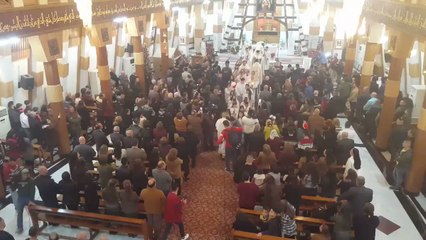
(233, 137)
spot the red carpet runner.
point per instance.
(212, 200)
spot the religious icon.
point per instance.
(105, 34)
(266, 6)
(53, 47)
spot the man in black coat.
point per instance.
(344, 146)
(358, 196)
(85, 152)
(99, 136)
(47, 188)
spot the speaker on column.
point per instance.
(26, 82)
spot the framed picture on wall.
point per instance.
(53, 47)
(105, 34)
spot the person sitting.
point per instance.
(242, 223)
(248, 192)
(273, 223)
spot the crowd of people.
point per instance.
(278, 136)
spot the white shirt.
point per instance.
(240, 89)
(249, 124)
(219, 126)
(349, 165)
(24, 120)
(186, 76)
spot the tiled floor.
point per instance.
(386, 203)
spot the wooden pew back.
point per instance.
(94, 221)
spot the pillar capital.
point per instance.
(136, 26)
(46, 47)
(100, 35)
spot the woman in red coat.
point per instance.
(173, 213)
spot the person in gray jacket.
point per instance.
(162, 177)
(358, 196)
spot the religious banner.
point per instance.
(405, 17)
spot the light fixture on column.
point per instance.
(84, 8)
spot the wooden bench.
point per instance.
(141, 207)
(300, 220)
(94, 221)
(310, 203)
(240, 235)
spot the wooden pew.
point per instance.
(94, 221)
(310, 203)
(141, 207)
(300, 220)
(240, 235)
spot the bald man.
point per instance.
(343, 148)
(47, 188)
(154, 202)
(86, 152)
(316, 122)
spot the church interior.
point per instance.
(212, 119)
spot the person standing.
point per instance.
(365, 225)
(162, 178)
(74, 125)
(358, 196)
(248, 192)
(26, 192)
(47, 188)
(86, 151)
(232, 137)
(70, 191)
(173, 213)
(403, 164)
(154, 202)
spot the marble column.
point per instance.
(372, 49)
(403, 46)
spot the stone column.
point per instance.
(136, 27)
(372, 49)
(199, 27)
(162, 23)
(217, 25)
(328, 39)
(350, 56)
(47, 48)
(416, 176)
(100, 37)
(403, 46)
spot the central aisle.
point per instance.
(212, 200)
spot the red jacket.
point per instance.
(173, 213)
(225, 135)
